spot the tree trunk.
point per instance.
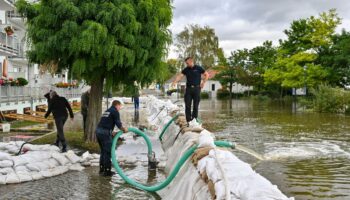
(231, 91)
(95, 109)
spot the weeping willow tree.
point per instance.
(103, 42)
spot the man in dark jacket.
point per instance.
(104, 133)
(58, 106)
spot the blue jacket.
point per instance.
(110, 118)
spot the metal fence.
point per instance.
(9, 43)
(17, 94)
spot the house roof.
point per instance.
(212, 73)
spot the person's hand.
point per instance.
(202, 84)
(125, 130)
(114, 133)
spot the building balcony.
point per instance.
(7, 4)
(16, 19)
(9, 45)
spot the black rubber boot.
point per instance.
(108, 172)
(102, 169)
(64, 148)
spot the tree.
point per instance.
(261, 58)
(198, 42)
(336, 59)
(296, 64)
(112, 42)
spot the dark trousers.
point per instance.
(136, 102)
(192, 94)
(104, 139)
(84, 121)
(60, 121)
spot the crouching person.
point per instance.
(104, 134)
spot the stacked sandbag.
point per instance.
(211, 173)
(38, 162)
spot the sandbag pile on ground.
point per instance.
(211, 173)
(40, 161)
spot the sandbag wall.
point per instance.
(211, 173)
(38, 162)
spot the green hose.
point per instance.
(167, 126)
(172, 174)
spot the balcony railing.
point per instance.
(19, 94)
(9, 44)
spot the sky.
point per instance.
(248, 23)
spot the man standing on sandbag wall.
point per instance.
(104, 133)
(193, 86)
(58, 106)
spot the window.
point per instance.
(212, 87)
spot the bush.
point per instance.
(204, 95)
(223, 94)
(327, 99)
(22, 81)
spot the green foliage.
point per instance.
(22, 81)
(327, 99)
(296, 64)
(198, 42)
(122, 41)
(223, 94)
(204, 95)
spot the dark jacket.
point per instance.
(58, 106)
(110, 118)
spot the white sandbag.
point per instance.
(36, 175)
(4, 156)
(72, 157)
(21, 168)
(63, 169)
(95, 161)
(95, 164)
(53, 163)
(46, 173)
(86, 164)
(76, 167)
(12, 149)
(43, 166)
(60, 158)
(6, 163)
(220, 190)
(7, 170)
(33, 167)
(2, 146)
(87, 157)
(205, 139)
(12, 178)
(96, 156)
(2, 179)
(212, 171)
(19, 160)
(24, 176)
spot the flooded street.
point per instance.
(305, 154)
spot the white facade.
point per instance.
(13, 48)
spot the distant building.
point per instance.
(13, 47)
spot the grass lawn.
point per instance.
(74, 139)
(20, 124)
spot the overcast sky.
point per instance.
(247, 23)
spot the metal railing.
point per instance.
(18, 94)
(9, 43)
(14, 14)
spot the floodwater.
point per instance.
(305, 154)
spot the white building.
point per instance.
(13, 50)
